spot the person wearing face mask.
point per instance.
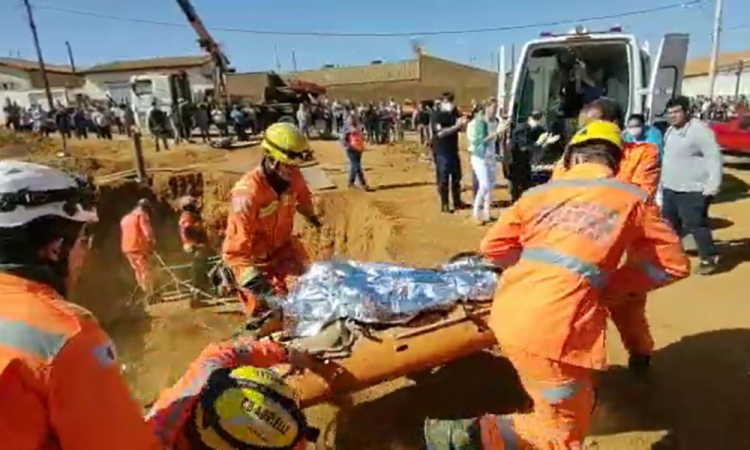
(517, 163)
(259, 246)
(446, 124)
(638, 131)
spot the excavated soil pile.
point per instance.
(354, 227)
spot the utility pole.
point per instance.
(294, 61)
(43, 69)
(740, 69)
(715, 48)
(70, 57)
(276, 58)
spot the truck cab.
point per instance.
(557, 74)
(165, 89)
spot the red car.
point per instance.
(734, 136)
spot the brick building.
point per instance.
(421, 78)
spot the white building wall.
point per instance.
(117, 84)
(12, 79)
(726, 84)
(32, 97)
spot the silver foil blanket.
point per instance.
(378, 293)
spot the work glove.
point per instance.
(315, 221)
(253, 280)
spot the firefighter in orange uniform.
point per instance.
(60, 381)
(195, 243)
(61, 386)
(259, 246)
(137, 243)
(562, 244)
(202, 409)
(639, 167)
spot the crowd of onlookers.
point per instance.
(720, 109)
(81, 122)
(381, 122)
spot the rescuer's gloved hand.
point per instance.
(253, 280)
(315, 221)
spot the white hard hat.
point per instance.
(29, 191)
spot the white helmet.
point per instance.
(29, 191)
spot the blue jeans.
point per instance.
(687, 212)
(355, 167)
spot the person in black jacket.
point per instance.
(517, 164)
(446, 124)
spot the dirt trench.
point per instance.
(156, 350)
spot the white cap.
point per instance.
(34, 180)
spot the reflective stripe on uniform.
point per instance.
(510, 439)
(607, 182)
(592, 273)
(556, 394)
(269, 209)
(657, 274)
(30, 339)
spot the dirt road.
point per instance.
(700, 391)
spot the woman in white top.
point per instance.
(482, 136)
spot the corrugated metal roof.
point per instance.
(374, 73)
(23, 64)
(700, 66)
(172, 62)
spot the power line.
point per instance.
(680, 5)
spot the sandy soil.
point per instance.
(700, 389)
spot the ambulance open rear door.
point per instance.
(666, 75)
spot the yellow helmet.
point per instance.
(285, 143)
(598, 130)
(249, 408)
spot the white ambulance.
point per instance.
(557, 74)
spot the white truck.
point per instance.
(611, 62)
(165, 89)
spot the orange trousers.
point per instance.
(290, 260)
(563, 397)
(140, 265)
(630, 319)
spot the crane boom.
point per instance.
(209, 45)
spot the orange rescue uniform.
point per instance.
(563, 243)
(192, 232)
(137, 244)
(259, 231)
(171, 413)
(61, 385)
(639, 166)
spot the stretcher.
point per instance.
(367, 323)
(393, 353)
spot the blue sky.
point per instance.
(99, 40)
